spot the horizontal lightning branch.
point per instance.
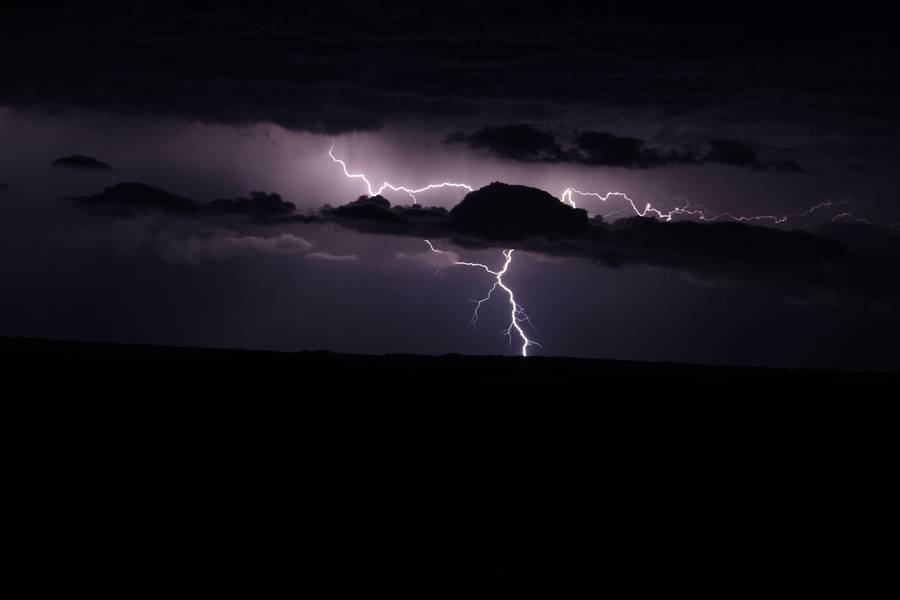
(700, 214)
(389, 186)
(568, 196)
(517, 314)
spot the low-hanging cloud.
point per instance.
(79, 161)
(433, 260)
(328, 256)
(131, 199)
(514, 142)
(223, 245)
(851, 259)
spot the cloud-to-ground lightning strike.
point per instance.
(517, 314)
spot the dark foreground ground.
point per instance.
(170, 470)
(398, 374)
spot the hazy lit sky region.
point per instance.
(226, 281)
(234, 226)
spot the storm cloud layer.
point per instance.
(131, 199)
(500, 215)
(78, 161)
(525, 143)
(336, 67)
(853, 259)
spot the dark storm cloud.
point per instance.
(369, 209)
(182, 230)
(525, 143)
(334, 67)
(515, 142)
(738, 154)
(501, 215)
(258, 204)
(131, 199)
(852, 259)
(78, 161)
(864, 239)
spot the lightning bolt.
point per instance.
(517, 314)
(389, 186)
(701, 215)
(853, 218)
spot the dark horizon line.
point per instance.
(58, 347)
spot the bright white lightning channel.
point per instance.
(568, 196)
(517, 314)
(686, 210)
(389, 186)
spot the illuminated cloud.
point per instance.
(224, 245)
(433, 260)
(327, 256)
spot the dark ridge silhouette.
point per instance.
(77, 161)
(712, 477)
(500, 211)
(393, 368)
(525, 143)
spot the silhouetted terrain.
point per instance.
(396, 374)
(151, 466)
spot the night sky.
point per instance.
(166, 179)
